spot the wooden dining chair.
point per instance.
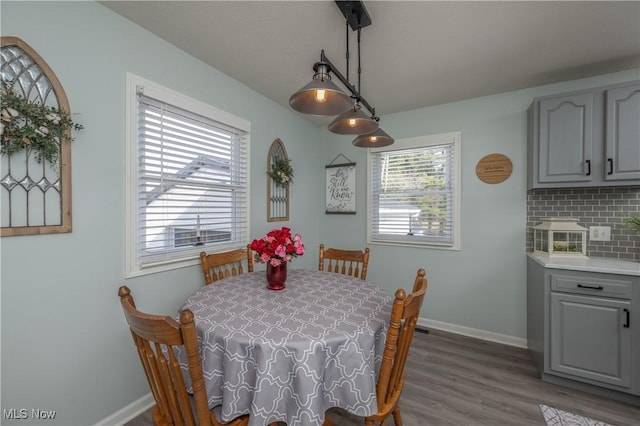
(346, 262)
(402, 324)
(155, 336)
(217, 266)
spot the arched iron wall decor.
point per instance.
(35, 197)
(277, 187)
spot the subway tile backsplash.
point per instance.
(592, 207)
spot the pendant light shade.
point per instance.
(321, 96)
(375, 139)
(353, 122)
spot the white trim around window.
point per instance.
(413, 196)
(187, 179)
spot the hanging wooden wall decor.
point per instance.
(494, 168)
(340, 186)
(35, 196)
(280, 176)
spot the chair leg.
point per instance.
(397, 418)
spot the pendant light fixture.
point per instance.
(322, 97)
(376, 139)
(353, 122)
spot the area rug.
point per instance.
(555, 417)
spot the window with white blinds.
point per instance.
(189, 179)
(414, 192)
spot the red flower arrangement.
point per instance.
(278, 246)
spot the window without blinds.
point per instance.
(192, 183)
(413, 195)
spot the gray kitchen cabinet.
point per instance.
(587, 339)
(623, 133)
(586, 138)
(583, 328)
(565, 138)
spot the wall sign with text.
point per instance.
(494, 168)
(341, 188)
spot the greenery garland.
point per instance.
(26, 124)
(281, 171)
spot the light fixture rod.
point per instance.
(347, 51)
(359, 67)
(354, 92)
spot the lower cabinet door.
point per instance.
(591, 339)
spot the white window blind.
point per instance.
(191, 185)
(413, 194)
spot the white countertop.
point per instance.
(589, 264)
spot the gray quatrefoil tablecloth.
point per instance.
(290, 355)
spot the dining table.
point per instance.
(292, 354)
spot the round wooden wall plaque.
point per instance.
(494, 168)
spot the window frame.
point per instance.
(133, 267)
(453, 138)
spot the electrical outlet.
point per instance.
(600, 233)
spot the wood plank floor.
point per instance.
(456, 380)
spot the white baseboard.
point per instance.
(143, 404)
(129, 412)
(473, 332)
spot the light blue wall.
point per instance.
(481, 288)
(65, 345)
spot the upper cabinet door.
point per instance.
(565, 138)
(623, 133)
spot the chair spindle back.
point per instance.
(155, 337)
(346, 262)
(402, 325)
(217, 266)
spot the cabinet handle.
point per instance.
(588, 167)
(626, 322)
(591, 287)
(610, 160)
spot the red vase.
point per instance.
(276, 276)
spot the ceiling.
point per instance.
(414, 54)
